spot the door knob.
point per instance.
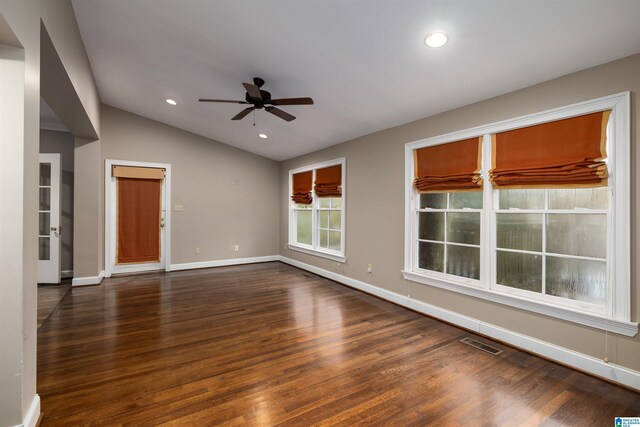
(54, 229)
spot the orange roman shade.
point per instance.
(563, 153)
(454, 166)
(301, 191)
(329, 182)
(138, 220)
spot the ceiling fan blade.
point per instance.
(292, 101)
(243, 113)
(221, 100)
(282, 114)
(253, 90)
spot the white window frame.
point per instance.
(314, 248)
(617, 317)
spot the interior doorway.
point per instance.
(137, 216)
(56, 139)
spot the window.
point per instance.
(316, 219)
(553, 243)
(449, 233)
(544, 233)
(329, 223)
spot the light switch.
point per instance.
(178, 208)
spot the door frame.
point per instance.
(55, 220)
(110, 217)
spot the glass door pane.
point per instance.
(45, 223)
(44, 252)
(45, 174)
(45, 198)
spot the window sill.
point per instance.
(621, 327)
(327, 255)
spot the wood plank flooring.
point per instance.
(48, 298)
(269, 344)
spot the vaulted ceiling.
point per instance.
(363, 62)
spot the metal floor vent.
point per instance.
(482, 346)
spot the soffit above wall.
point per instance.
(49, 120)
(7, 35)
(364, 63)
(58, 92)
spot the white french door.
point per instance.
(49, 229)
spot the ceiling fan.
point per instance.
(262, 99)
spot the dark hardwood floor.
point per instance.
(48, 298)
(269, 344)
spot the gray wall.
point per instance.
(375, 206)
(25, 19)
(52, 141)
(217, 211)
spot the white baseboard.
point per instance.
(580, 361)
(88, 281)
(363, 286)
(33, 414)
(65, 274)
(223, 262)
(134, 268)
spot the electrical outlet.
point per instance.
(236, 248)
(178, 208)
(197, 249)
(369, 268)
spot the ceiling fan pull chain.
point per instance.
(254, 117)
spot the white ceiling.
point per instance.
(363, 62)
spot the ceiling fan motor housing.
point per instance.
(259, 103)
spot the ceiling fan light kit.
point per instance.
(259, 99)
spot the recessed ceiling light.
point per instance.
(171, 101)
(263, 136)
(436, 39)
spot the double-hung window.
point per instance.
(448, 210)
(316, 209)
(532, 212)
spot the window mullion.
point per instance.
(544, 242)
(611, 293)
(314, 214)
(446, 215)
(487, 236)
(415, 231)
(294, 227)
